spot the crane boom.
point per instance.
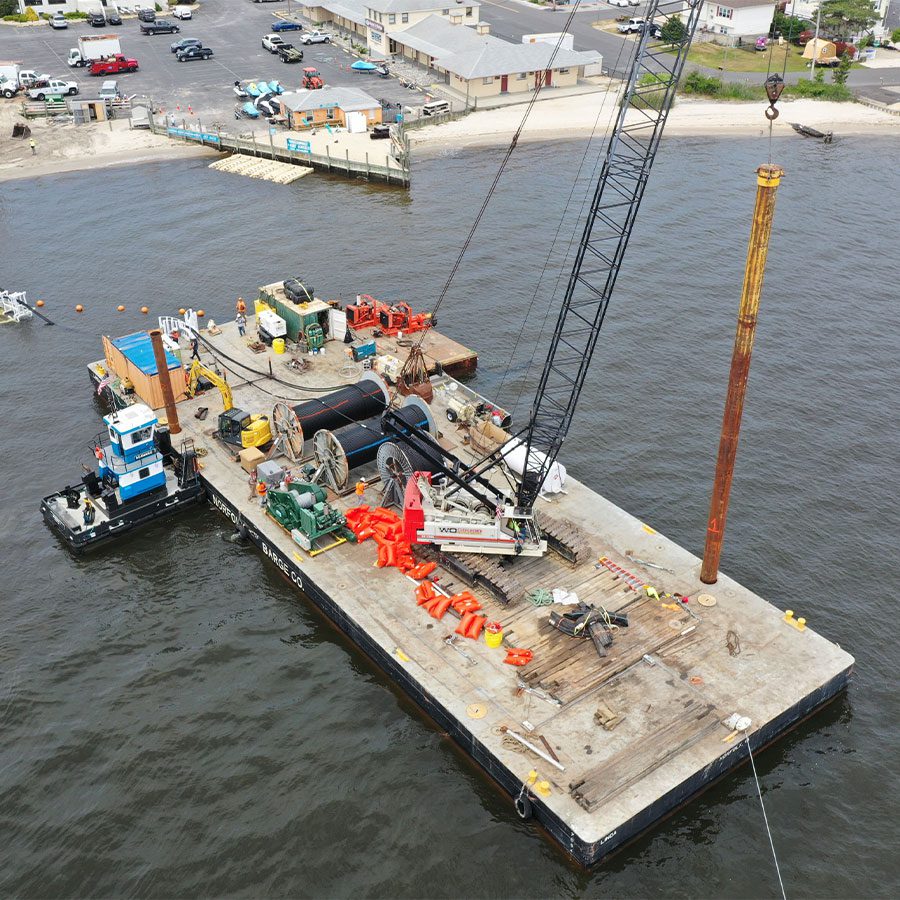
(648, 96)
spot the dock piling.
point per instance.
(768, 177)
(162, 368)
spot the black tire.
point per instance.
(40, 97)
(524, 809)
(72, 92)
(327, 41)
(8, 94)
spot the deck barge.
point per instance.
(670, 679)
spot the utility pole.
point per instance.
(768, 177)
(816, 42)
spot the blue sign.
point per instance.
(194, 135)
(299, 146)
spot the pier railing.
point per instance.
(369, 167)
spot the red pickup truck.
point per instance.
(113, 65)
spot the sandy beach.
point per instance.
(574, 117)
(69, 148)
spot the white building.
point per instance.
(736, 18)
(51, 7)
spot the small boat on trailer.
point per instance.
(139, 478)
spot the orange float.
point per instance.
(79, 308)
(200, 313)
(39, 303)
(145, 310)
(120, 308)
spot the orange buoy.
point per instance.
(120, 308)
(79, 308)
(39, 303)
(181, 311)
(145, 310)
(200, 313)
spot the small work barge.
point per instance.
(139, 478)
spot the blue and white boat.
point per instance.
(139, 477)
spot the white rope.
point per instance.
(765, 817)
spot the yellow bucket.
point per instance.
(278, 345)
(493, 634)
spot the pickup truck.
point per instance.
(315, 37)
(272, 42)
(54, 87)
(160, 26)
(113, 65)
(290, 54)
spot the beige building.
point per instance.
(455, 46)
(327, 106)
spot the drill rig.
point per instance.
(456, 505)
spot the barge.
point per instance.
(595, 748)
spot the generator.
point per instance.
(270, 326)
(360, 350)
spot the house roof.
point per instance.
(461, 50)
(348, 99)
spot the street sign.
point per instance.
(299, 146)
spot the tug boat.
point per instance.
(139, 478)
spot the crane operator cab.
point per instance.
(244, 429)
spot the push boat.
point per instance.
(139, 478)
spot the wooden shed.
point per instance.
(132, 357)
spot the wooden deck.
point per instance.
(671, 677)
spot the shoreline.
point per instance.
(572, 118)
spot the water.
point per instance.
(176, 720)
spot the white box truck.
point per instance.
(92, 47)
(9, 79)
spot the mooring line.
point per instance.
(765, 817)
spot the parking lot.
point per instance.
(232, 28)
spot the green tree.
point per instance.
(8, 7)
(895, 36)
(673, 31)
(789, 26)
(839, 75)
(844, 18)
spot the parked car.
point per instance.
(184, 43)
(194, 52)
(56, 87)
(59, 21)
(160, 26)
(620, 3)
(315, 37)
(380, 132)
(290, 54)
(286, 25)
(113, 17)
(654, 29)
(96, 20)
(632, 26)
(147, 15)
(183, 12)
(272, 42)
(109, 90)
(113, 65)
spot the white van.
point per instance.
(436, 108)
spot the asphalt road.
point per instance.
(232, 28)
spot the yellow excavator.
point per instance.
(236, 427)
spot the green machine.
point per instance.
(303, 511)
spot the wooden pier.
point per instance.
(635, 734)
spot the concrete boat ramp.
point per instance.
(619, 741)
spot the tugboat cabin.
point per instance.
(132, 461)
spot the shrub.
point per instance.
(698, 83)
(31, 15)
(8, 8)
(817, 90)
(673, 31)
(75, 15)
(651, 99)
(895, 36)
(16, 17)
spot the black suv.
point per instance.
(147, 15)
(113, 18)
(160, 26)
(193, 52)
(96, 20)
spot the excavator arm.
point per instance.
(198, 371)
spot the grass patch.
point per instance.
(699, 85)
(741, 59)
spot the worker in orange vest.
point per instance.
(261, 491)
(240, 306)
(360, 491)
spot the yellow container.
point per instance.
(278, 345)
(493, 634)
(259, 307)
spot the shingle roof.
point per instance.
(461, 50)
(401, 6)
(348, 99)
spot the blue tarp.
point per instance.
(138, 350)
(362, 66)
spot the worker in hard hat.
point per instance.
(261, 491)
(89, 512)
(360, 491)
(240, 306)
